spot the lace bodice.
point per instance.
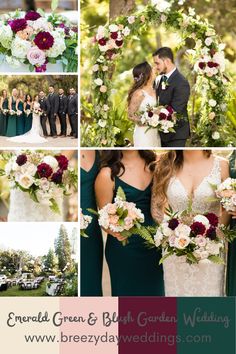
(202, 199)
(147, 100)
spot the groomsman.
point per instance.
(45, 107)
(62, 111)
(53, 100)
(73, 112)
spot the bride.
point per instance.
(183, 179)
(35, 134)
(140, 95)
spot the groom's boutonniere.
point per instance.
(164, 84)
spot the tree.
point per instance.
(50, 260)
(63, 250)
(121, 7)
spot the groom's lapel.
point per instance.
(172, 77)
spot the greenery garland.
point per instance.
(206, 57)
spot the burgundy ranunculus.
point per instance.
(57, 177)
(198, 228)
(102, 41)
(202, 65)
(170, 109)
(162, 116)
(150, 114)
(44, 170)
(62, 162)
(173, 223)
(119, 42)
(114, 35)
(44, 40)
(213, 219)
(32, 16)
(211, 233)
(18, 24)
(21, 160)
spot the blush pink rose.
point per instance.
(36, 56)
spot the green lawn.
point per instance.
(14, 291)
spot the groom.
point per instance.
(172, 89)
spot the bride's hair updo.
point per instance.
(113, 159)
(141, 74)
(167, 165)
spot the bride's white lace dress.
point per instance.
(204, 278)
(35, 134)
(141, 137)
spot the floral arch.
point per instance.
(206, 56)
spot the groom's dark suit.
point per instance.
(176, 94)
(53, 100)
(45, 107)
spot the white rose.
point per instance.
(182, 230)
(182, 242)
(131, 19)
(26, 181)
(158, 238)
(20, 48)
(40, 24)
(98, 82)
(126, 31)
(44, 184)
(59, 46)
(216, 136)
(161, 5)
(212, 103)
(6, 35)
(29, 168)
(202, 219)
(166, 230)
(102, 123)
(51, 161)
(208, 41)
(200, 241)
(95, 67)
(101, 32)
(113, 28)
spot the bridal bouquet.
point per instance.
(12, 112)
(38, 111)
(27, 112)
(5, 111)
(85, 220)
(45, 177)
(18, 113)
(36, 39)
(121, 216)
(162, 118)
(226, 192)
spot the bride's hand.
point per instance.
(115, 234)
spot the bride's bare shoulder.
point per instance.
(137, 95)
(224, 165)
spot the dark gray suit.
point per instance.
(62, 113)
(176, 95)
(45, 107)
(53, 100)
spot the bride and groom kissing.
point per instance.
(169, 88)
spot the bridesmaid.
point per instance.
(91, 248)
(20, 122)
(134, 269)
(28, 104)
(3, 116)
(231, 278)
(11, 125)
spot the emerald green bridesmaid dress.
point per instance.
(231, 278)
(3, 118)
(91, 248)
(134, 269)
(20, 122)
(11, 125)
(28, 119)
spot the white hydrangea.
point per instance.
(13, 62)
(20, 48)
(6, 35)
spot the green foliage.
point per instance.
(63, 250)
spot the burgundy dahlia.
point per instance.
(44, 40)
(198, 228)
(102, 41)
(44, 170)
(173, 223)
(21, 160)
(213, 219)
(202, 65)
(18, 24)
(211, 233)
(211, 64)
(114, 35)
(57, 177)
(170, 109)
(32, 16)
(62, 162)
(162, 116)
